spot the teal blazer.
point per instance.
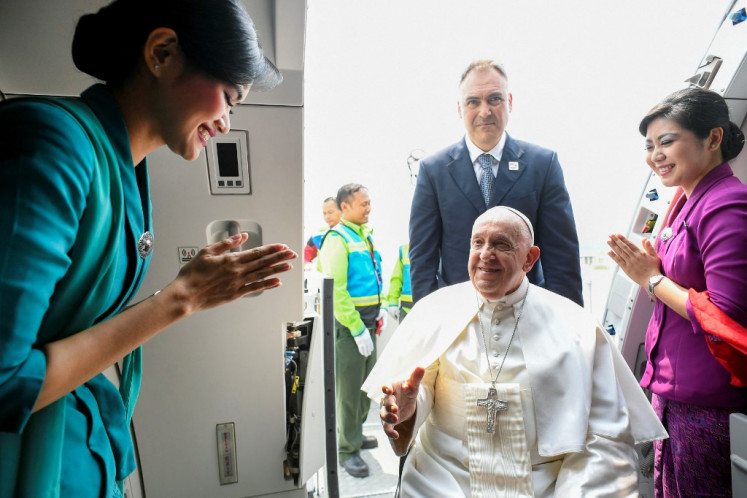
(72, 208)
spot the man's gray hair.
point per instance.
(481, 64)
(498, 212)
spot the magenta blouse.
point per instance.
(707, 250)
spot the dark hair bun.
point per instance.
(105, 43)
(216, 38)
(732, 143)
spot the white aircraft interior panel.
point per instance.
(46, 29)
(724, 66)
(738, 436)
(628, 306)
(618, 304)
(281, 26)
(290, 38)
(223, 368)
(729, 46)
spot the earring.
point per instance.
(713, 146)
(156, 67)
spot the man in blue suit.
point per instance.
(489, 168)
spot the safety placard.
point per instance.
(186, 254)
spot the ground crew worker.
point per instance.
(332, 214)
(348, 255)
(399, 298)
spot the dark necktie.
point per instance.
(486, 178)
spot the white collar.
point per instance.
(506, 301)
(496, 152)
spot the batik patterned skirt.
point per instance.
(694, 461)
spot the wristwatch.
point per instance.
(653, 282)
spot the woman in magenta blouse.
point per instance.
(700, 249)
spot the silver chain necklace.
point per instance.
(492, 404)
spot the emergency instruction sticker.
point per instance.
(186, 254)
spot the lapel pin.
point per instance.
(666, 234)
(513, 166)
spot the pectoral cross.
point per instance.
(493, 405)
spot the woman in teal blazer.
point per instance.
(76, 230)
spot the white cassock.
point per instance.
(574, 411)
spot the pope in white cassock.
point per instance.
(498, 387)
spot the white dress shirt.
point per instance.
(475, 152)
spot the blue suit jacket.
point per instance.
(447, 201)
